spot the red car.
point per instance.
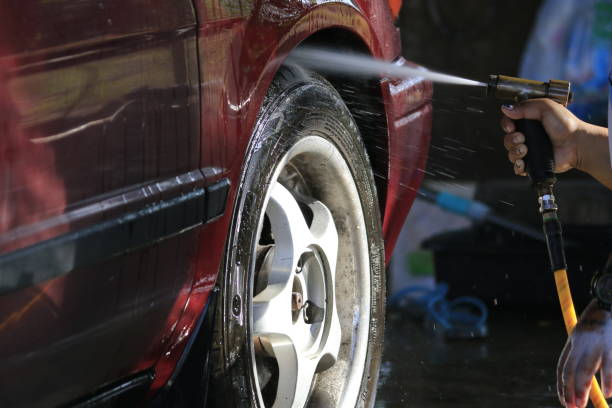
(185, 217)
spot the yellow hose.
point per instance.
(569, 316)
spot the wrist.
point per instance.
(581, 141)
(588, 140)
(592, 318)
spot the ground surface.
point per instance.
(513, 367)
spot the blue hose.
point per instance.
(463, 317)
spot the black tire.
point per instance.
(299, 103)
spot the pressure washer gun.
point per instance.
(540, 166)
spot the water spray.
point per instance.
(351, 64)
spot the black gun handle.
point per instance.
(540, 159)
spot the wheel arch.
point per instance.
(357, 26)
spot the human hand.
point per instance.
(587, 350)
(560, 124)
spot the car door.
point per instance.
(100, 190)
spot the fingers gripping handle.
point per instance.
(540, 159)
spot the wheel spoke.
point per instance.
(273, 317)
(296, 373)
(291, 238)
(324, 233)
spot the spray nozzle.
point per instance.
(510, 89)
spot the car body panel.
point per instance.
(109, 109)
(409, 116)
(100, 113)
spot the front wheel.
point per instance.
(301, 311)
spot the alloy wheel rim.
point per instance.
(296, 316)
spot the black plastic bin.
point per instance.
(506, 269)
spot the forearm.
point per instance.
(593, 153)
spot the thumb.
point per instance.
(529, 109)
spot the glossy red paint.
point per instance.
(102, 101)
(409, 122)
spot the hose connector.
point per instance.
(546, 197)
(547, 203)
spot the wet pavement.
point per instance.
(513, 367)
